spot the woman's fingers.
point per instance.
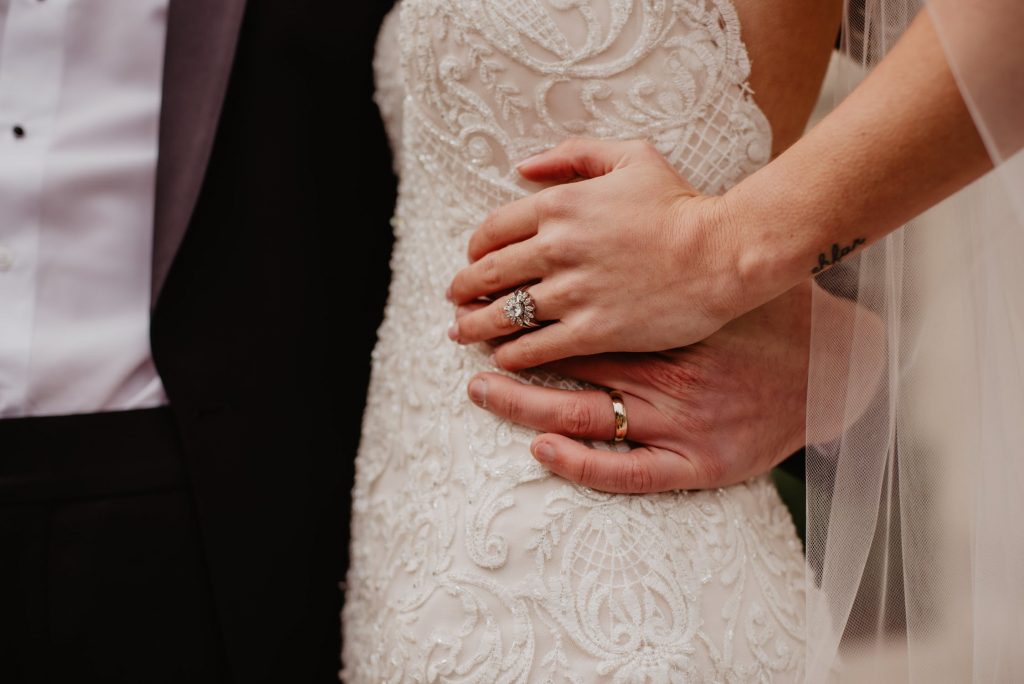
(575, 158)
(586, 414)
(504, 226)
(507, 268)
(490, 321)
(542, 346)
(640, 471)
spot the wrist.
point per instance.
(766, 245)
(750, 260)
(716, 239)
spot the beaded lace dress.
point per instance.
(469, 561)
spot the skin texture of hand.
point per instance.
(604, 255)
(713, 414)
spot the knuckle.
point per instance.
(588, 472)
(680, 379)
(555, 202)
(474, 328)
(581, 339)
(490, 274)
(544, 202)
(546, 246)
(588, 327)
(660, 481)
(490, 223)
(487, 234)
(512, 406)
(608, 327)
(635, 477)
(572, 296)
(549, 249)
(699, 415)
(574, 418)
(554, 249)
(526, 351)
(569, 194)
(712, 469)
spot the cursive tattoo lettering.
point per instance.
(838, 254)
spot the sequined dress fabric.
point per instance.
(469, 561)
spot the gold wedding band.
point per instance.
(621, 422)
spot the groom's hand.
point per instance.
(713, 414)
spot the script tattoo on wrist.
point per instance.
(838, 254)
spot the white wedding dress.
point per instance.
(469, 561)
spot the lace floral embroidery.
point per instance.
(469, 562)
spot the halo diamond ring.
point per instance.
(521, 309)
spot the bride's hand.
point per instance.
(633, 259)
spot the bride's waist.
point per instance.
(439, 221)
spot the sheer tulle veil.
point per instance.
(916, 509)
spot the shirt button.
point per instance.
(19, 132)
(6, 259)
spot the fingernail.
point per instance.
(478, 392)
(453, 331)
(493, 360)
(448, 293)
(544, 452)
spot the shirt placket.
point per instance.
(31, 67)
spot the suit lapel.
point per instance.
(201, 40)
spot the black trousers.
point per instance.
(102, 573)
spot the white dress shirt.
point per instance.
(80, 93)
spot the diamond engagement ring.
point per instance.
(520, 309)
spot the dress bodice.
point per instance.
(470, 562)
(496, 82)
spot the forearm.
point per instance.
(900, 143)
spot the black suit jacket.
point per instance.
(270, 273)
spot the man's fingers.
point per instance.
(642, 470)
(586, 414)
(507, 268)
(514, 222)
(575, 158)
